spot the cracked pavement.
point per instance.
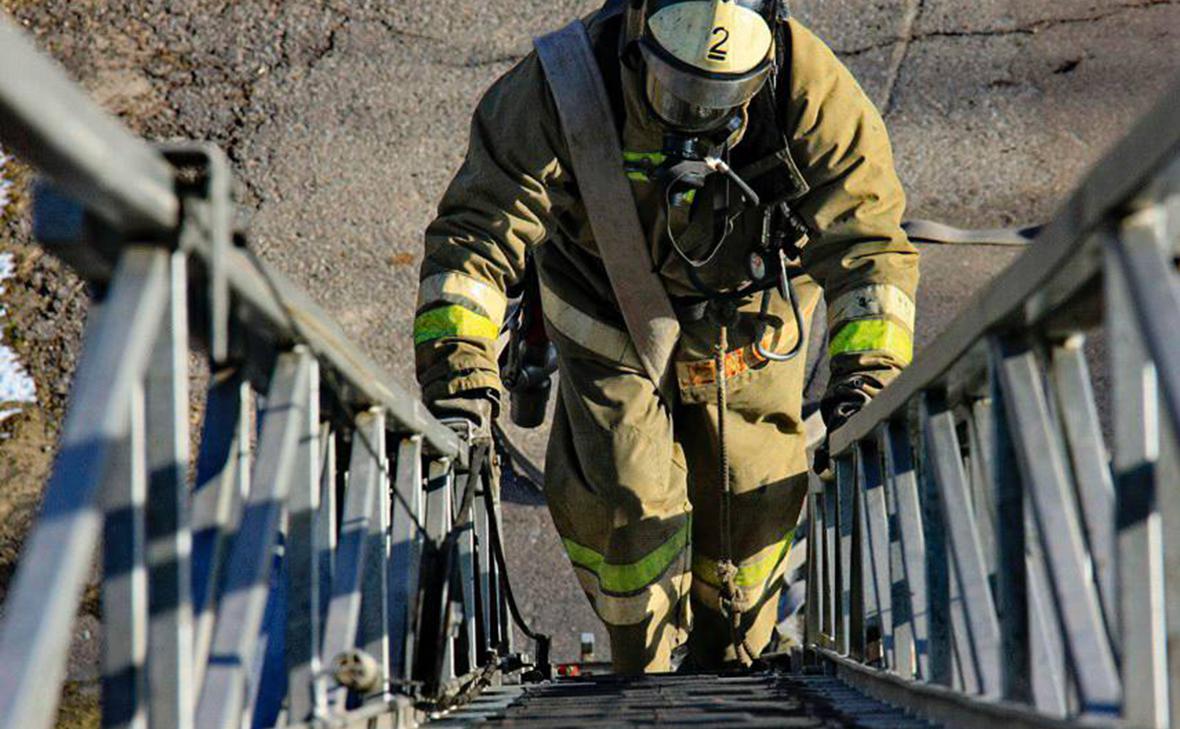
(346, 119)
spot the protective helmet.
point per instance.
(702, 58)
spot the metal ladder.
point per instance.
(320, 566)
(988, 551)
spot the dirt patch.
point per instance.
(79, 706)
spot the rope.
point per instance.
(727, 571)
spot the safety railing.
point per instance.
(329, 552)
(999, 544)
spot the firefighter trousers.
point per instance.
(635, 492)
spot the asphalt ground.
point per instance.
(345, 121)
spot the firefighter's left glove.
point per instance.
(469, 413)
(845, 398)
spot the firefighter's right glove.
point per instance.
(844, 399)
(469, 413)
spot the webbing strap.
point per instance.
(597, 158)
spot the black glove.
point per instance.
(469, 413)
(844, 399)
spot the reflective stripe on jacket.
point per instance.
(514, 192)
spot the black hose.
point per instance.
(541, 640)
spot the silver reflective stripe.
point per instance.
(586, 331)
(596, 153)
(434, 289)
(872, 301)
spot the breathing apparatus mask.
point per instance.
(702, 61)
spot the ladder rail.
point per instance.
(236, 596)
(1066, 603)
(227, 592)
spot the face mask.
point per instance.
(702, 59)
(679, 114)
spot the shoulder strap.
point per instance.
(597, 158)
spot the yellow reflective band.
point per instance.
(657, 599)
(873, 335)
(637, 164)
(453, 321)
(435, 290)
(655, 158)
(754, 573)
(623, 578)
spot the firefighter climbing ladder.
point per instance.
(988, 551)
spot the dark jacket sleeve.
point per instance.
(498, 206)
(860, 255)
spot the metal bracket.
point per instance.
(65, 228)
(204, 184)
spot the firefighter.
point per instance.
(679, 533)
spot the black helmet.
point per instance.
(702, 58)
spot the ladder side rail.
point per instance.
(47, 589)
(269, 304)
(303, 562)
(1146, 372)
(875, 523)
(223, 479)
(246, 588)
(1027, 667)
(124, 578)
(816, 594)
(406, 555)
(212, 585)
(168, 530)
(908, 547)
(831, 537)
(1048, 569)
(977, 636)
(360, 509)
(1044, 472)
(1063, 260)
(1091, 466)
(849, 600)
(49, 122)
(463, 596)
(373, 629)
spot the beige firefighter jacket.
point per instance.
(515, 194)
